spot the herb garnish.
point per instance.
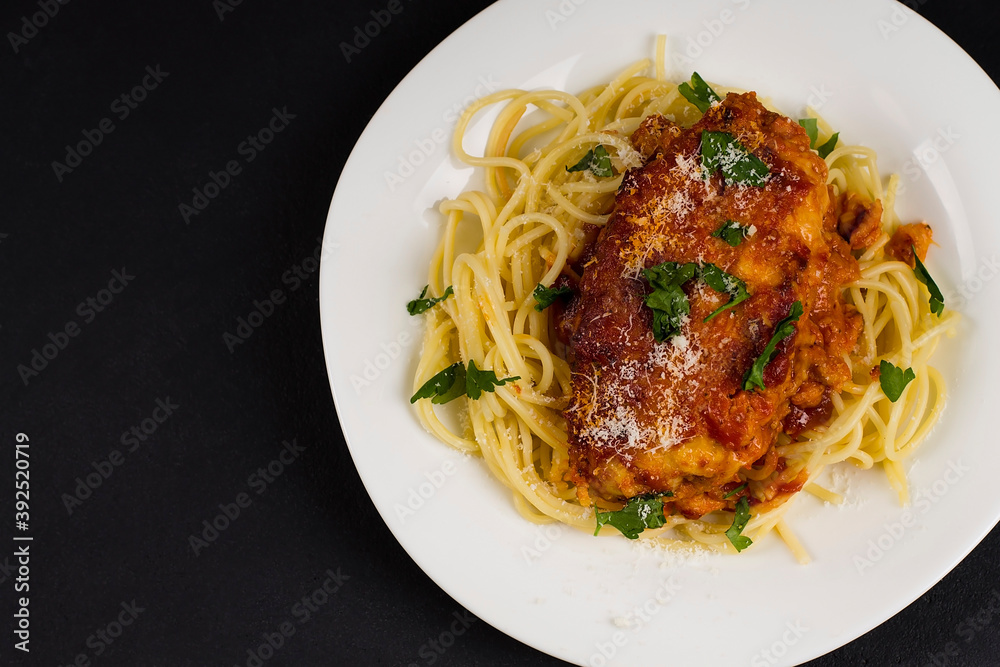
(638, 514)
(668, 301)
(812, 131)
(456, 381)
(732, 233)
(444, 387)
(546, 296)
(699, 93)
(740, 521)
(420, 304)
(477, 381)
(894, 379)
(735, 491)
(721, 150)
(786, 327)
(937, 299)
(828, 147)
(597, 161)
(721, 281)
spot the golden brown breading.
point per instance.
(917, 235)
(672, 416)
(859, 222)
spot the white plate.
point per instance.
(884, 77)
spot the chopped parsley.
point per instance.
(740, 521)
(894, 379)
(786, 327)
(444, 387)
(597, 161)
(937, 299)
(668, 301)
(456, 381)
(477, 381)
(735, 491)
(546, 296)
(812, 130)
(732, 233)
(420, 304)
(639, 513)
(699, 93)
(828, 147)
(722, 151)
(721, 281)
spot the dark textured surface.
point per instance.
(161, 339)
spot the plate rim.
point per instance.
(341, 403)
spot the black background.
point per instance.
(161, 337)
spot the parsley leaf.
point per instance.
(699, 93)
(670, 304)
(639, 513)
(721, 281)
(735, 491)
(668, 301)
(732, 233)
(477, 381)
(444, 387)
(597, 161)
(546, 296)
(456, 381)
(721, 150)
(828, 147)
(812, 130)
(937, 299)
(740, 521)
(894, 380)
(420, 304)
(786, 327)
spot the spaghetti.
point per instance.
(531, 218)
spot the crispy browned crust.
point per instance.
(907, 237)
(859, 222)
(656, 417)
(653, 134)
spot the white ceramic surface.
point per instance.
(884, 77)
